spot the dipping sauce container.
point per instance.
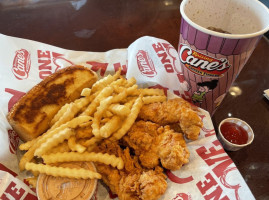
(235, 134)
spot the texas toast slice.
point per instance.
(31, 115)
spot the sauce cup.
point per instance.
(231, 146)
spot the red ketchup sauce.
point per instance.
(234, 133)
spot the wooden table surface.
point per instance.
(101, 25)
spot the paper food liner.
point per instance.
(210, 173)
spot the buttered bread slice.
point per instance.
(31, 115)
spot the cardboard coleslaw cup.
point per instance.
(212, 60)
(51, 187)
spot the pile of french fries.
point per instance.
(105, 111)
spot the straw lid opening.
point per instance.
(242, 18)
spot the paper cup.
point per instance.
(212, 60)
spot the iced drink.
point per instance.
(216, 39)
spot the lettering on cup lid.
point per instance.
(202, 64)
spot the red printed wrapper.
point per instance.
(154, 63)
(211, 60)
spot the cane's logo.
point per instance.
(182, 196)
(145, 64)
(202, 64)
(13, 141)
(21, 64)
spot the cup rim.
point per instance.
(232, 144)
(223, 35)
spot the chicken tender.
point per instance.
(142, 138)
(133, 182)
(174, 111)
(172, 150)
(153, 144)
(110, 175)
(152, 183)
(190, 123)
(149, 185)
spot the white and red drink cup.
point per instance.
(212, 60)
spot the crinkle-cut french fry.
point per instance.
(27, 145)
(86, 157)
(54, 141)
(130, 82)
(119, 82)
(102, 83)
(92, 141)
(84, 132)
(86, 124)
(70, 113)
(62, 171)
(107, 114)
(86, 92)
(120, 96)
(128, 122)
(118, 89)
(130, 103)
(75, 146)
(81, 141)
(110, 127)
(59, 113)
(63, 147)
(153, 99)
(95, 103)
(105, 120)
(28, 156)
(85, 142)
(84, 101)
(36, 174)
(104, 104)
(129, 90)
(149, 92)
(74, 108)
(98, 115)
(129, 99)
(123, 94)
(120, 110)
(32, 181)
(92, 147)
